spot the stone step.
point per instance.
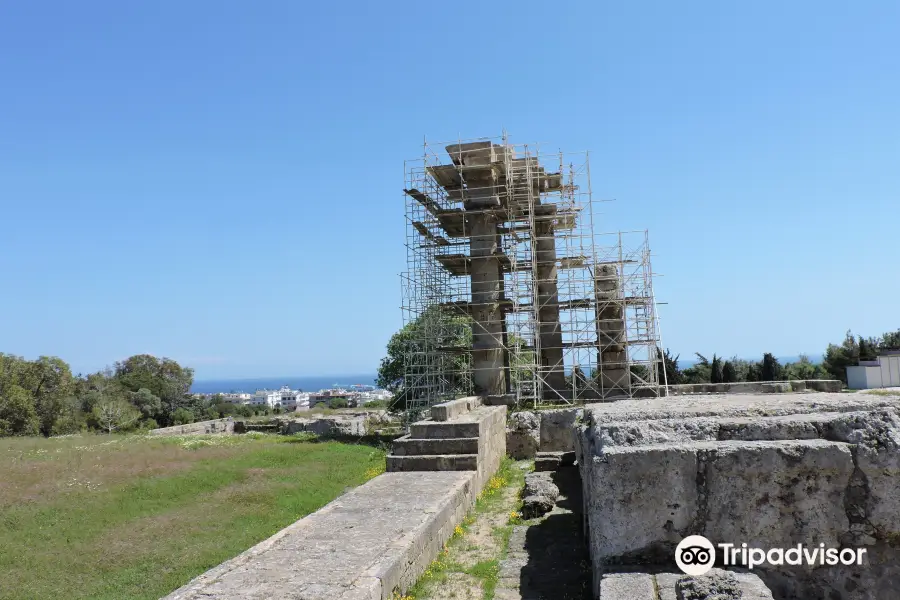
(407, 446)
(551, 461)
(429, 430)
(433, 462)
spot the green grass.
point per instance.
(491, 501)
(136, 517)
(883, 392)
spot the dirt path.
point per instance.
(468, 568)
(496, 556)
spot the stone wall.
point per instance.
(771, 471)
(758, 387)
(530, 432)
(201, 427)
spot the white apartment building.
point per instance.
(268, 398)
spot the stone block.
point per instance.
(557, 429)
(523, 435)
(444, 429)
(794, 491)
(626, 516)
(435, 462)
(626, 586)
(407, 446)
(454, 408)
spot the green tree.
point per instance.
(838, 358)
(672, 374)
(803, 369)
(435, 341)
(729, 373)
(146, 402)
(868, 348)
(891, 340)
(699, 372)
(715, 370)
(17, 412)
(182, 416)
(771, 370)
(50, 382)
(163, 377)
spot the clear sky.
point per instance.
(220, 182)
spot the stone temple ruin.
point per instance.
(514, 306)
(501, 241)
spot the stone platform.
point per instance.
(771, 471)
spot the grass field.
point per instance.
(120, 517)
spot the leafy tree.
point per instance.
(771, 370)
(669, 373)
(700, 372)
(114, 413)
(50, 382)
(182, 416)
(838, 358)
(891, 340)
(729, 373)
(163, 377)
(868, 348)
(17, 413)
(433, 329)
(146, 402)
(715, 370)
(803, 369)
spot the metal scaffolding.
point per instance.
(508, 289)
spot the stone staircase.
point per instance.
(461, 435)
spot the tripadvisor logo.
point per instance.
(696, 555)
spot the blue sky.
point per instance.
(220, 182)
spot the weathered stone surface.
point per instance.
(199, 428)
(433, 462)
(771, 471)
(536, 506)
(627, 586)
(407, 446)
(376, 538)
(750, 586)
(715, 585)
(539, 495)
(558, 429)
(454, 408)
(546, 463)
(756, 387)
(523, 435)
(540, 484)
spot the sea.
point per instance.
(304, 383)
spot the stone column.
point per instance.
(551, 359)
(487, 325)
(611, 357)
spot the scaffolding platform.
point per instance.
(566, 295)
